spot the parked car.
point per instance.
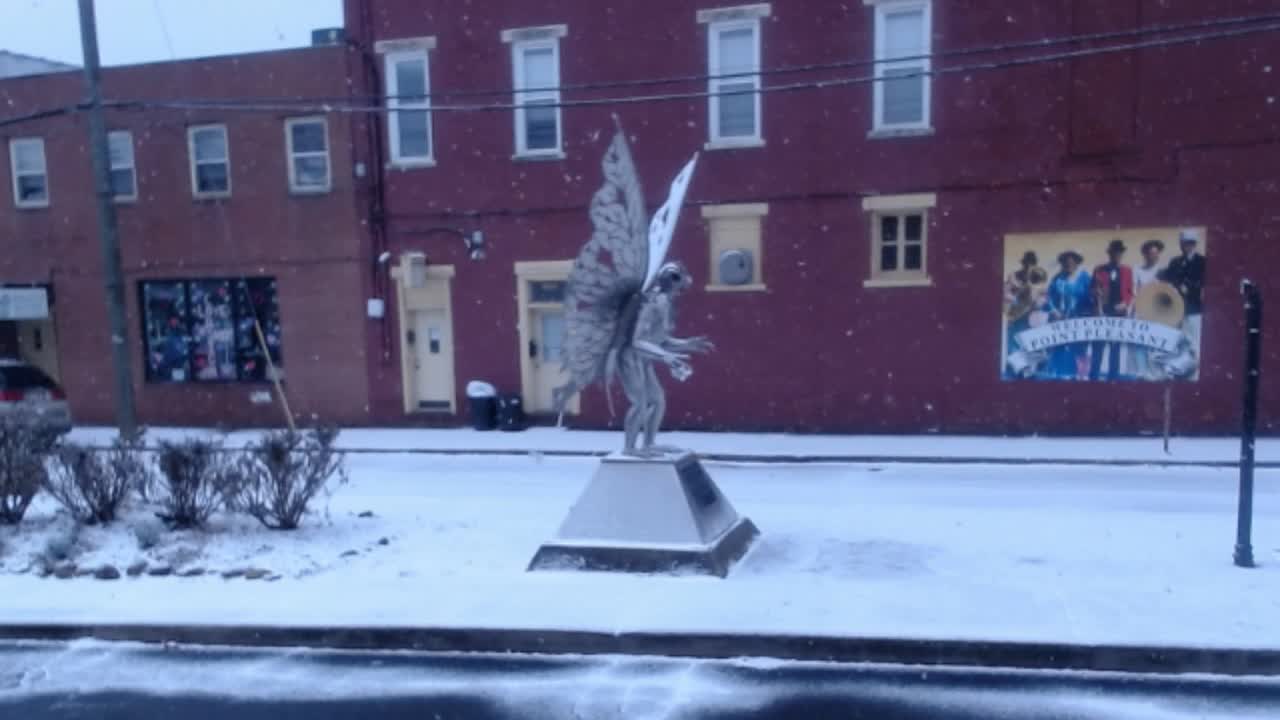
(26, 388)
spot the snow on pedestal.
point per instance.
(658, 514)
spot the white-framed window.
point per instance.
(537, 75)
(735, 232)
(535, 72)
(733, 62)
(307, 143)
(899, 239)
(210, 160)
(407, 73)
(30, 172)
(903, 42)
(124, 174)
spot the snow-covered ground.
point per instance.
(1031, 553)
(546, 439)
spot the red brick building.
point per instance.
(853, 241)
(869, 228)
(226, 218)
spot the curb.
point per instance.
(804, 459)
(711, 646)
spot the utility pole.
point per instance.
(126, 419)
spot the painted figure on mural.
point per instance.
(1068, 298)
(1112, 296)
(1024, 295)
(1140, 365)
(1186, 273)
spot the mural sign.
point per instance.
(1104, 306)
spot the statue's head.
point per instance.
(673, 277)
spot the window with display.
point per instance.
(207, 330)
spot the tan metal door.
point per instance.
(431, 337)
(546, 352)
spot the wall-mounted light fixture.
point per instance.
(473, 241)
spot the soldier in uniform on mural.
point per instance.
(1113, 296)
(1186, 273)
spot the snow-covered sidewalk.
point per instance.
(1021, 553)
(933, 448)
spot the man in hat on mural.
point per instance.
(1186, 272)
(1113, 296)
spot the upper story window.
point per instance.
(124, 174)
(535, 67)
(30, 172)
(210, 161)
(407, 73)
(307, 140)
(733, 62)
(903, 41)
(899, 239)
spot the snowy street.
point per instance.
(1022, 553)
(107, 681)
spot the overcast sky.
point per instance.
(134, 31)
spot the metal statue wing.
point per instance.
(608, 273)
(663, 227)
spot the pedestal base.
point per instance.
(661, 514)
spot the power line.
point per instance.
(815, 67)
(311, 106)
(40, 115)
(327, 105)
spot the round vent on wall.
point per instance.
(736, 267)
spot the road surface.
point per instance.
(107, 681)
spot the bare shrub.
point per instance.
(196, 480)
(128, 459)
(88, 483)
(148, 533)
(281, 474)
(24, 447)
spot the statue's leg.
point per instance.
(656, 408)
(633, 386)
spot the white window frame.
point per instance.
(191, 155)
(397, 51)
(15, 174)
(884, 8)
(880, 206)
(292, 155)
(132, 167)
(714, 31)
(523, 97)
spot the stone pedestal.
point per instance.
(649, 515)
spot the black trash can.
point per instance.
(511, 412)
(484, 412)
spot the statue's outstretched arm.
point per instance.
(700, 344)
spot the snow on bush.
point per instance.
(281, 474)
(91, 485)
(196, 480)
(24, 447)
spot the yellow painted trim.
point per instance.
(916, 201)
(754, 287)
(891, 282)
(710, 212)
(404, 308)
(526, 270)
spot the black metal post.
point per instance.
(1249, 416)
(107, 230)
